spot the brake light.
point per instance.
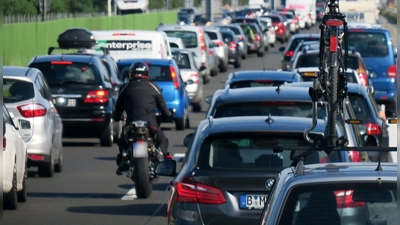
(123, 34)
(98, 96)
(333, 43)
(219, 43)
(4, 143)
(241, 38)
(289, 53)
(363, 78)
(195, 78)
(344, 199)
(232, 45)
(35, 157)
(355, 156)
(392, 71)
(32, 110)
(202, 42)
(61, 63)
(210, 52)
(373, 129)
(257, 38)
(357, 30)
(174, 78)
(191, 191)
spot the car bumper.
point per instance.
(233, 56)
(85, 127)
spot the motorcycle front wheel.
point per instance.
(141, 177)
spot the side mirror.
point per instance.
(188, 139)
(166, 168)
(208, 99)
(281, 49)
(395, 52)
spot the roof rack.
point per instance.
(105, 51)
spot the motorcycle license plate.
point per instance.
(140, 149)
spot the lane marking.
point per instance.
(179, 157)
(130, 195)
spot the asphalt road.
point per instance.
(88, 192)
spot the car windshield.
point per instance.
(253, 151)
(17, 90)
(341, 202)
(67, 72)
(369, 44)
(265, 108)
(182, 59)
(189, 38)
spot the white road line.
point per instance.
(130, 195)
(179, 156)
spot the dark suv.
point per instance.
(81, 89)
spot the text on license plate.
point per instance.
(252, 201)
(71, 102)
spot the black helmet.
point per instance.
(138, 69)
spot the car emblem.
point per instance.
(269, 183)
(60, 90)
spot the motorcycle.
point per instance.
(139, 160)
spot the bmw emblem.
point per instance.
(269, 183)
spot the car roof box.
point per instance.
(76, 38)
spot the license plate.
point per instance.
(71, 103)
(140, 149)
(252, 201)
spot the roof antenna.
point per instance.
(379, 167)
(262, 59)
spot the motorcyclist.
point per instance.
(139, 99)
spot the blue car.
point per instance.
(376, 49)
(165, 73)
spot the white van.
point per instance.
(124, 44)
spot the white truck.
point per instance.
(130, 6)
(360, 11)
(305, 8)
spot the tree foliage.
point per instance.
(173, 4)
(243, 2)
(24, 7)
(156, 4)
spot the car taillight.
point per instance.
(4, 143)
(344, 199)
(210, 52)
(363, 78)
(98, 96)
(373, 129)
(32, 110)
(289, 53)
(195, 78)
(174, 78)
(219, 43)
(35, 157)
(392, 71)
(202, 42)
(257, 38)
(191, 191)
(355, 156)
(232, 45)
(241, 38)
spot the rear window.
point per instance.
(252, 27)
(189, 38)
(66, 72)
(288, 15)
(17, 90)
(296, 41)
(182, 59)
(312, 60)
(235, 30)
(157, 73)
(212, 35)
(252, 151)
(255, 83)
(173, 45)
(227, 37)
(369, 44)
(273, 108)
(275, 19)
(360, 107)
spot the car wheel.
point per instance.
(10, 199)
(107, 136)
(214, 72)
(22, 195)
(59, 165)
(261, 53)
(187, 122)
(282, 40)
(46, 169)
(238, 63)
(180, 123)
(272, 45)
(196, 107)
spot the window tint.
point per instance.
(275, 19)
(160, 73)
(308, 60)
(189, 38)
(255, 83)
(227, 37)
(212, 35)
(244, 151)
(273, 108)
(360, 107)
(182, 60)
(235, 30)
(17, 90)
(69, 72)
(173, 45)
(369, 44)
(351, 77)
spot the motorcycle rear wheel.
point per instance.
(141, 177)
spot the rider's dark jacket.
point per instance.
(140, 98)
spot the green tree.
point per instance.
(197, 3)
(243, 2)
(58, 6)
(173, 4)
(156, 4)
(19, 7)
(229, 2)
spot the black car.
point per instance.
(234, 53)
(82, 90)
(227, 164)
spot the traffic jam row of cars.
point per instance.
(231, 172)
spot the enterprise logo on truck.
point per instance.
(137, 45)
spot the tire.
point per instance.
(196, 107)
(180, 123)
(237, 63)
(224, 67)
(282, 40)
(10, 199)
(22, 195)
(141, 177)
(261, 53)
(272, 45)
(107, 136)
(46, 169)
(59, 166)
(214, 72)
(187, 122)
(333, 99)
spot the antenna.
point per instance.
(262, 59)
(379, 167)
